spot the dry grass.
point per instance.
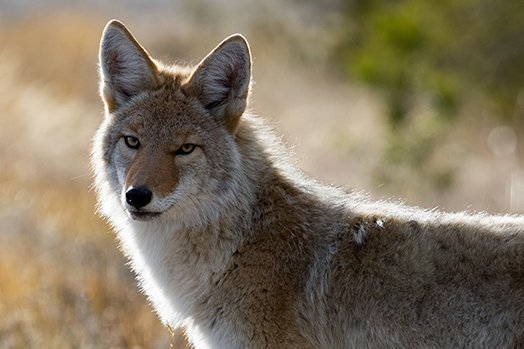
(63, 283)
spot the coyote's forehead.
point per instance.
(166, 111)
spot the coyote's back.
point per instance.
(231, 242)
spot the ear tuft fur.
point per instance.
(221, 80)
(125, 67)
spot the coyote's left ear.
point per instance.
(221, 80)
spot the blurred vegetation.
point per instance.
(63, 284)
(430, 59)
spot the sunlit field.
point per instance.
(63, 281)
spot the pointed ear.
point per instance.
(125, 67)
(221, 81)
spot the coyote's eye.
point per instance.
(186, 149)
(132, 142)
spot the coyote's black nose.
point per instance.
(138, 197)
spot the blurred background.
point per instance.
(417, 100)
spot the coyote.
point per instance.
(232, 243)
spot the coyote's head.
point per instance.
(167, 143)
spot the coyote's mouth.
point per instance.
(143, 215)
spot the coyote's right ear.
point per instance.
(125, 67)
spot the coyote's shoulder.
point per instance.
(233, 243)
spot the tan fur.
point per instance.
(243, 251)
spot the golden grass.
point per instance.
(59, 50)
(63, 284)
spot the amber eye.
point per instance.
(132, 142)
(186, 149)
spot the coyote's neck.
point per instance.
(176, 263)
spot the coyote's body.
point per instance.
(231, 242)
